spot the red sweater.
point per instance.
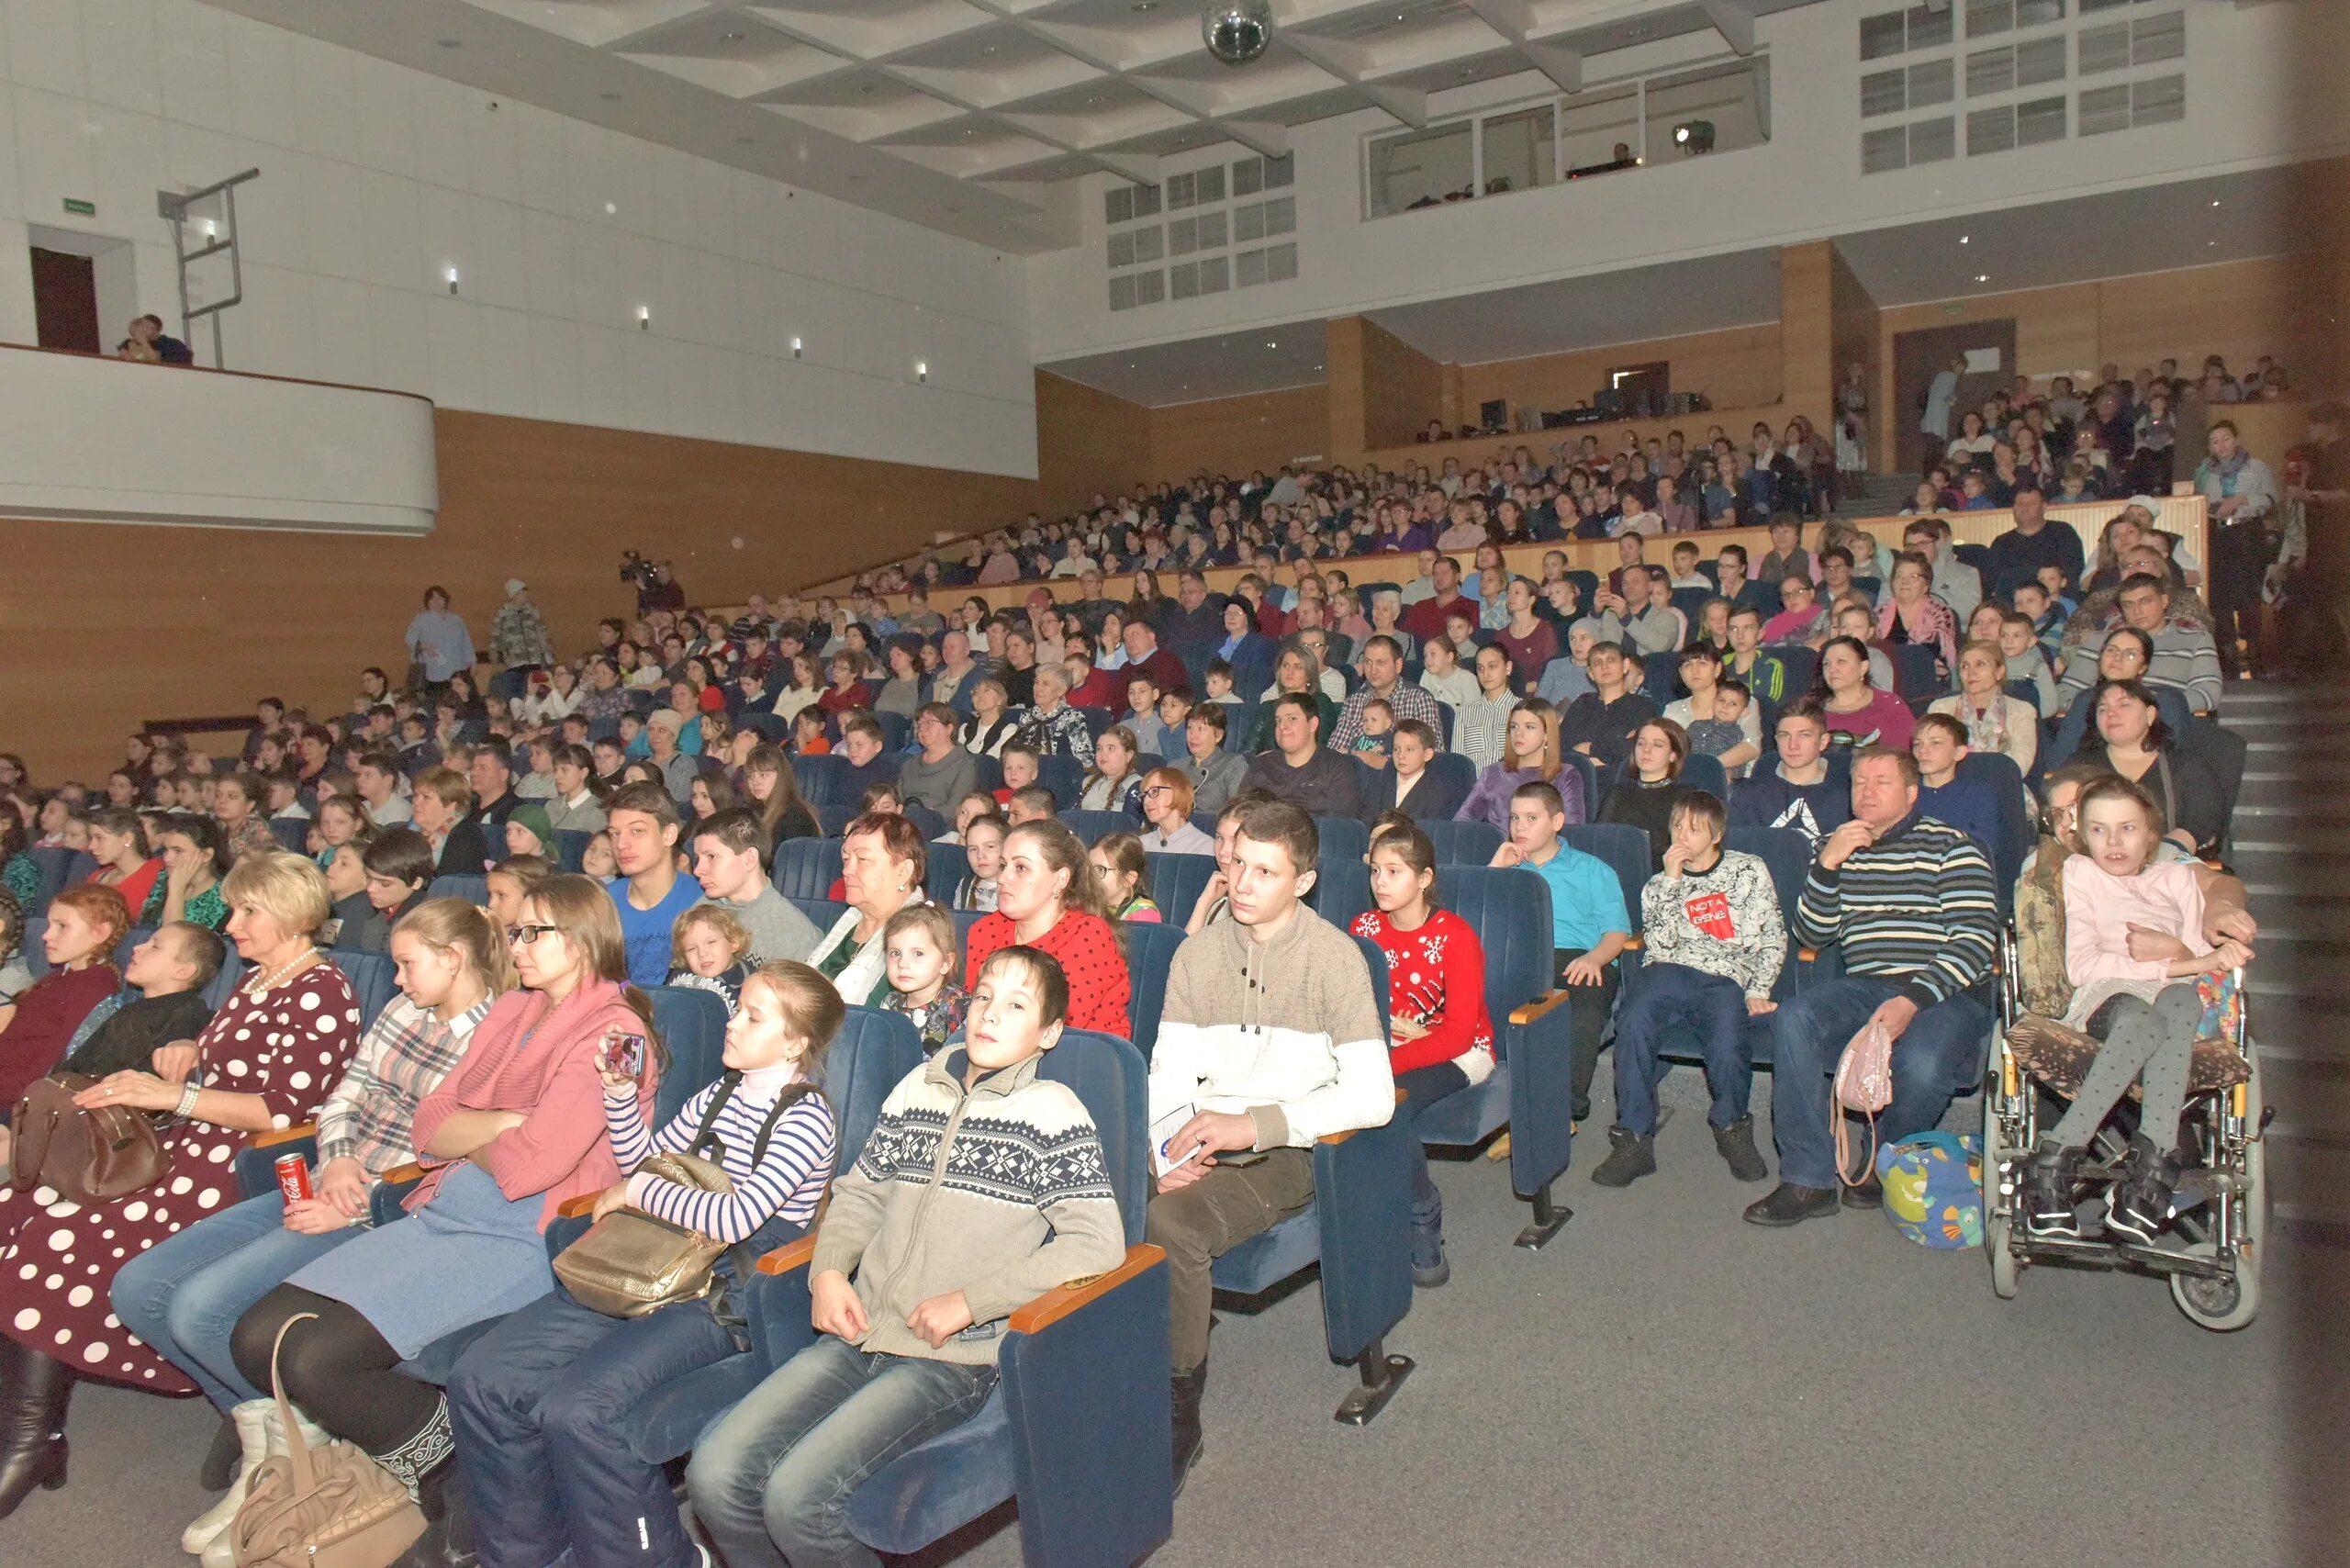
(525, 1056)
(1087, 949)
(1436, 974)
(48, 1011)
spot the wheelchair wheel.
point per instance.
(1998, 1224)
(2225, 1305)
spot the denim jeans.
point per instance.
(184, 1295)
(1941, 1051)
(771, 1482)
(539, 1406)
(1422, 1087)
(1671, 1003)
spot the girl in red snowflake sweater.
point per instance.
(1443, 1042)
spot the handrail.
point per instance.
(211, 370)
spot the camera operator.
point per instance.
(655, 590)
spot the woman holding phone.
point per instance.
(506, 1139)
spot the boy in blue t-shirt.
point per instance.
(649, 893)
(1589, 928)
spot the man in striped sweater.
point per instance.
(1910, 904)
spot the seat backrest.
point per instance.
(1586, 584)
(1624, 851)
(291, 833)
(1587, 770)
(1112, 1080)
(1343, 837)
(806, 868)
(823, 914)
(1977, 556)
(943, 867)
(1377, 958)
(894, 730)
(873, 1051)
(571, 848)
(964, 920)
(833, 817)
(1660, 675)
(1175, 882)
(1998, 773)
(1064, 776)
(1341, 888)
(372, 980)
(1239, 723)
(1151, 953)
(1463, 844)
(1801, 665)
(1509, 909)
(991, 771)
(51, 861)
(1091, 827)
(2223, 750)
(1913, 670)
(1204, 822)
(1786, 855)
(1702, 772)
(2025, 692)
(1690, 601)
(821, 779)
(692, 1024)
(1451, 771)
(475, 891)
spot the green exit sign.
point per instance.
(81, 209)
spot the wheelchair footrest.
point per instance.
(2098, 1253)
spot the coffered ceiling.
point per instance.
(914, 100)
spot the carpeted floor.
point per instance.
(1665, 1385)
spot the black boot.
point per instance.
(33, 1392)
(1188, 1389)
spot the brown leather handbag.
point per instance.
(90, 1154)
(327, 1507)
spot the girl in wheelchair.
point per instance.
(2144, 976)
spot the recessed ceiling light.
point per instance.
(1270, 344)
(2215, 203)
(1963, 238)
(732, 38)
(1146, 5)
(986, 49)
(460, 43)
(1467, 72)
(1982, 277)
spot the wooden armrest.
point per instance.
(1044, 1311)
(789, 1255)
(1534, 1010)
(1634, 943)
(412, 1171)
(579, 1207)
(1809, 954)
(285, 1135)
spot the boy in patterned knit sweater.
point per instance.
(982, 1186)
(1715, 943)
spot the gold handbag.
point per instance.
(630, 1262)
(328, 1507)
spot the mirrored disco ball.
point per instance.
(1236, 30)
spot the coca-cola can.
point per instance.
(294, 1178)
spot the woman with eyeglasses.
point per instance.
(1167, 797)
(513, 1133)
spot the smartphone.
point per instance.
(625, 1056)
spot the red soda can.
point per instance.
(294, 1178)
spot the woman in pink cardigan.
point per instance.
(510, 1135)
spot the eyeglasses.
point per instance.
(523, 935)
(1158, 790)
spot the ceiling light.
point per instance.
(732, 38)
(1467, 72)
(922, 370)
(1982, 277)
(645, 317)
(1270, 344)
(1963, 238)
(794, 348)
(1693, 137)
(2215, 203)
(1141, 5)
(610, 207)
(453, 280)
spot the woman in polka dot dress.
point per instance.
(263, 1062)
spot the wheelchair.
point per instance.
(2220, 1216)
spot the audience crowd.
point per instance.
(537, 851)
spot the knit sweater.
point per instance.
(540, 1060)
(1915, 908)
(1721, 921)
(999, 1190)
(784, 1184)
(1284, 1031)
(1436, 975)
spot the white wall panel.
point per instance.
(120, 36)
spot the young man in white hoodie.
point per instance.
(1271, 1030)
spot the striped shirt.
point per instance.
(785, 1184)
(371, 1115)
(2186, 659)
(1915, 908)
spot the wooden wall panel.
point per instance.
(1807, 328)
(1403, 388)
(2237, 310)
(1087, 443)
(1342, 353)
(1736, 368)
(1853, 325)
(1233, 435)
(104, 626)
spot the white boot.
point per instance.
(221, 1552)
(254, 1443)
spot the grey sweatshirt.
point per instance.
(999, 1191)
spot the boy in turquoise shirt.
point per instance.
(1589, 928)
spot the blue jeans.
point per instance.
(539, 1406)
(1670, 1003)
(184, 1295)
(1422, 1087)
(771, 1482)
(1940, 1052)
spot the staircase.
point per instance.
(2291, 846)
(1876, 495)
